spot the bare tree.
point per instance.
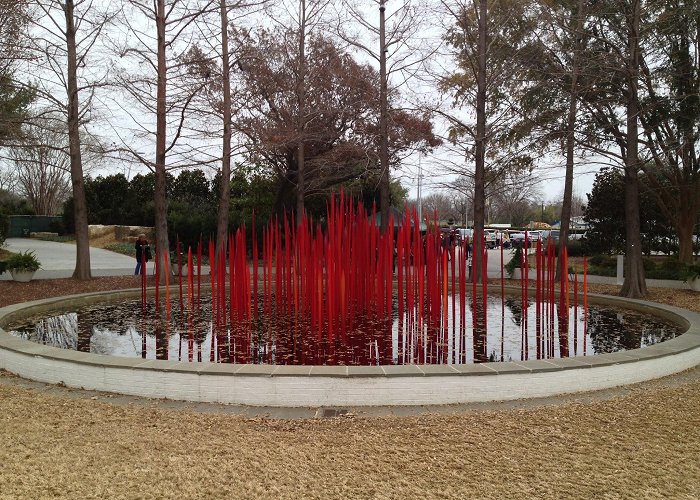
(305, 16)
(157, 99)
(395, 40)
(39, 164)
(212, 62)
(42, 167)
(340, 135)
(224, 188)
(65, 35)
(8, 179)
(511, 194)
(82, 237)
(439, 204)
(488, 43)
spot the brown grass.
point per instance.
(640, 443)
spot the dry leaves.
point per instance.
(641, 444)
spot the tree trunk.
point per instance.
(480, 146)
(160, 195)
(634, 285)
(688, 204)
(685, 228)
(225, 187)
(300, 181)
(82, 237)
(301, 109)
(384, 178)
(570, 143)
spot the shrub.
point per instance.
(649, 265)
(606, 261)
(574, 248)
(691, 272)
(602, 265)
(23, 261)
(595, 260)
(4, 226)
(57, 226)
(670, 269)
(515, 261)
(122, 248)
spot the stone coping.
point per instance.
(272, 385)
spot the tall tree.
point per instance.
(66, 34)
(578, 21)
(42, 168)
(609, 97)
(158, 33)
(565, 36)
(224, 189)
(340, 134)
(210, 63)
(391, 36)
(634, 285)
(15, 97)
(670, 113)
(489, 44)
(547, 106)
(309, 15)
(665, 120)
(82, 237)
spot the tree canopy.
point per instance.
(341, 130)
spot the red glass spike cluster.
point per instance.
(346, 293)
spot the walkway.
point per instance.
(58, 259)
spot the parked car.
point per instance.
(550, 233)
(518, 239)
(490, 238)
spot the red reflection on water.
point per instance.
(327, 296)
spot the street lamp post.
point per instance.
(383, 109)
(420, 194)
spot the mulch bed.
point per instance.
(642, 444)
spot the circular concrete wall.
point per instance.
(295, 386)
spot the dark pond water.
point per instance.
(510, 331)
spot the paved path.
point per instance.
(58, 259)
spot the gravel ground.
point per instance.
(641, 442)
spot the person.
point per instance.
(143, 254)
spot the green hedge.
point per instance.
(665, 269)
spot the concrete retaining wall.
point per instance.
(294, 386)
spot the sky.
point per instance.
(551, 179)
(434, 177)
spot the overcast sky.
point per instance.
(434, 178)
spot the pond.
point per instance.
(508, 329)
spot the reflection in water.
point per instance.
(500, 330)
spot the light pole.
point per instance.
(466, 212)
(383, 134)
(420, 194)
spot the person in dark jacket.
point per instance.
(143, 254)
